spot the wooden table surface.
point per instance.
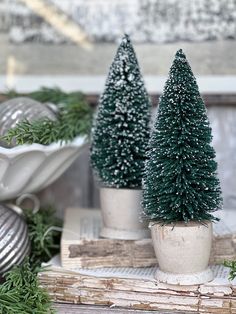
(88, 309)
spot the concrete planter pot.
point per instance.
(183, 252)
(121, 210)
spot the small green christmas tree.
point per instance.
(180, 182)
(121, 130)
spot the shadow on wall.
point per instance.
(75, 188)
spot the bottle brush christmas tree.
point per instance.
(180, 181)
(121, 128)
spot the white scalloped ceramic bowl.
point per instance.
(30, 168)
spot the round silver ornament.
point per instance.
(17, 109)
(14, 239)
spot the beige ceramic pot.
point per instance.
(121, 211)
(183, 252)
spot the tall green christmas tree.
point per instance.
(121, 130)
(180, 181)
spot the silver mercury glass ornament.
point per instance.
(17, 109)
(14, 238)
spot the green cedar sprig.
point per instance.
(74, 118)
(43, 244)
(21, 292)
(232, 266)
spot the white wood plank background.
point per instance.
(94, 84)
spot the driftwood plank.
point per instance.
(62, 308)
(136, 289)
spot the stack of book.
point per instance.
(136, 288)
(224, 240)
(120, 273)
(82, 247)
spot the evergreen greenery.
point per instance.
(43, 244)
(74, 118)
(232, 266)
(121, 129)
(180, 181)
(21, 292)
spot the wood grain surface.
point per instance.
(62, 308)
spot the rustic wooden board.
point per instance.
(63, 308)
(137, 289)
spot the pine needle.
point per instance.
(21, 292)
(43, 244)
(232, 266)
(74, 118)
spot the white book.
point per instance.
(137, 288)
